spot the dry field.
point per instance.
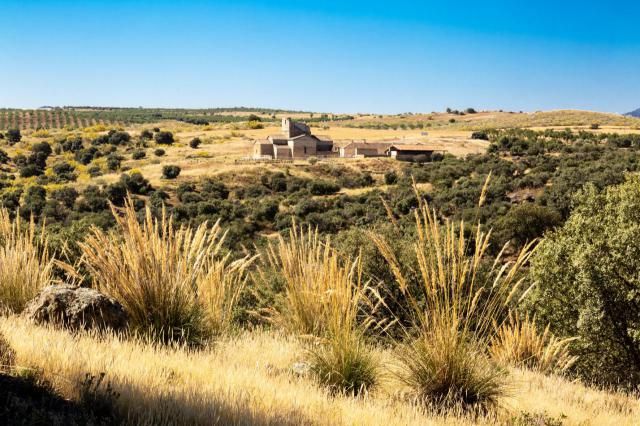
(248, 379)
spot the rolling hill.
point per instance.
(635, 113)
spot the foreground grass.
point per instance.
(249, 380)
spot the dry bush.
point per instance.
(25, 263)
(174, 283)
(520, 343)
(324, 295)
(454, 312)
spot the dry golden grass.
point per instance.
(248, 380)
(322, 292)
(25, 264)
(173, 282)
(456, 311)
(520, 343)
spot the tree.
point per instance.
(34, 201)
(526, 222)
(67, 196)
(586, 280)
(170, 172)
(14, 136)
(164, 138)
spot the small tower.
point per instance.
(292, 129)
(288, 128)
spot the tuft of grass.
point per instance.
(174, 282)
(447, 372)
(520, 343)
(455, 309)
(344, 363)
(25, 263)
(324, 295)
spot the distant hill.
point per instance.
(635, 113)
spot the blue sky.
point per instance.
(339, 56)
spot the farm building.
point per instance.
(409, 152)
(295, 141)
(365, 149)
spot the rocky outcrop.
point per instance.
(76, 308)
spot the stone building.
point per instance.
(295, 141)
(365, 149)
(409, 152)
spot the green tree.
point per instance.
(586, 278)
(525, 222)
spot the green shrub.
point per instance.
(323, 187)
(195, 143)
(159, 152)
(14, 136)
(587, 283)
(170, 172)
(138, 155)
(164, 138)
(390, 178)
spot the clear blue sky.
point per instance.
(340, 56)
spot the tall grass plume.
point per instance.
(174, 282)
(455, 308)
(26, 265)
(324, 295)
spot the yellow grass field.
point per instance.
(248, 379)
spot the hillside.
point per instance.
(291, 281)
(79, 117)
(635, 113)
(250, 379)
(495, 119)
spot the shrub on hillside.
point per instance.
(13, 136)
(113, 162)
(138, 155)
(586, 283)
(159, 152)
(195, 143)
(146, 135)
(170, 172)
(164, 138)
(480, 135)
(390, 178)
(64, 172)
(323, 187)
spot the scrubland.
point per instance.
(460, 291)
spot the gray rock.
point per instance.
(301, 369)
(76, 308)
